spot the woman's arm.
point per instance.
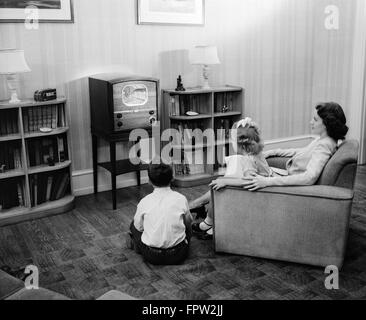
(320, 157)
(225, 182)
(281, 152)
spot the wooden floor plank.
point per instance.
(82, 254)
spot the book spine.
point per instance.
(25, 120)
(61, 149)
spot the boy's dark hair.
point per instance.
(334, 119)
(249, 140)
(160, 174)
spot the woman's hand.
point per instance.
(255, 183)
(218, 184)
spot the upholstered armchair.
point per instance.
(307, 224)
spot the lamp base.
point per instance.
(14, 98)
(13, 85)
(206, 72)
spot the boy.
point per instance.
(161, 229)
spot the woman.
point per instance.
(304, 167)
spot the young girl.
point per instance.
(247, 162)
(248, 146)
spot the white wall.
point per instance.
(278, 50)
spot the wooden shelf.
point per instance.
(17, 214)
(46, 168)
(20, 214)
(54, 132)
(12, 174)
(10, 137)
(226, 114)
(199, 90)
(30, 103)
(206, 102)
(124, 166)
(191, 118)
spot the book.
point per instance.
(20, 195)
(61, 149)
(62, 186)
(54, 117)
(31, 119)
(25, 120)
(49, 187)
(61, 116)
(35, 190)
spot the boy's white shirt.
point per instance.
(160, 217)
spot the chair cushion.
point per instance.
(337, 171)
(37, 294)
(9, 285)
(116, 295)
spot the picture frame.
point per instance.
(60, 11)
(171, 12)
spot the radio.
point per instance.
(45, 95)
(122, 103)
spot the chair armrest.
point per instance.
(326, 192)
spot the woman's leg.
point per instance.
(201, 201)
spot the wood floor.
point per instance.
(82, 254)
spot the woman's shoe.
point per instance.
(202, 234)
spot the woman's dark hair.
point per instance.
(160, 174)
(334, 120)
(249, 140)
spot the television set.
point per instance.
(120, 103)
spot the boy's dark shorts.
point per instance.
(171, 256)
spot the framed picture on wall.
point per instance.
(39, 10)
(171, 12)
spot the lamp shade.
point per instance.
(12, 61)
(206, 55)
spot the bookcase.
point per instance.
(35, 166)
(217, 109)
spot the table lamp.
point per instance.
(205, 56)
(12, 62)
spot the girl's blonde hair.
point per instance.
(248, 136)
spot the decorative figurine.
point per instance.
(51, 161)
(180, 84)
(224, 109)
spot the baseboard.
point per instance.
(83, 180)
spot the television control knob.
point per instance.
(152, 112)
(119, 115)
(152, 120)
(119, 124)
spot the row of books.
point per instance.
(10, 156)
(11, 194)
(222, 129)
(46, 187)
(224, 102)
(47, 150)
(9, 122)
(180, 104)
(191, 160)
(52, 117)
